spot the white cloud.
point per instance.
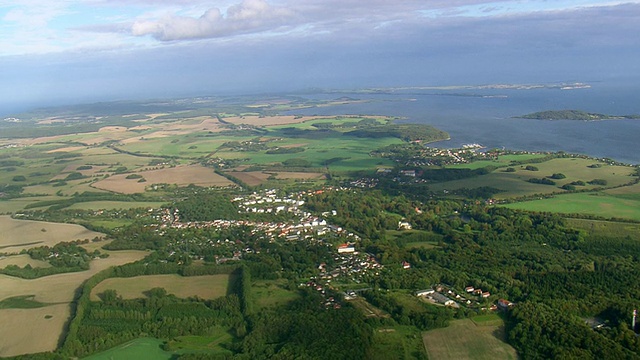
(248, 16)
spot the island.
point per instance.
(574, 115)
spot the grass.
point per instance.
(139, 349)
(515, 184)
(488, 320)
(214, 342)
(367, 309)
(463, 339)
(206, 286)
(605, 228)
(397, 342)
(271, 293)
(102, 205)
(599, 204)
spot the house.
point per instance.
(477, 292)
(403, 225)
(406, 265)
(486, 294)
(504, 304)
(346, 248)
(425, 292)
(469, 289)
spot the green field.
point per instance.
(397, 342)
(488, 320)
(142, 349)
(515, 184)
(463, 339)
(605, 228)
(598, 203)
(213, 343)
(271, 293)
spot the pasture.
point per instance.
(205, 287)
(515, 184)
(597, 203)
(255, 178)
(17, 235)
(271, 293)
(397, 342)
(463, 339)
(139, 349)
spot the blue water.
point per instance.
(486, 117)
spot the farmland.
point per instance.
(463, 339)
(16, 235)
(205, 287)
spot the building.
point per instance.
(425, 292)
(346, 248)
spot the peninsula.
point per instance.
(574, 115)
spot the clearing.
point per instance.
(463, 339)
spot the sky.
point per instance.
(74, 51)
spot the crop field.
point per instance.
(599, 203)
(206, 286)
(180, 175)
(20, 328)
(22, 260)
(17, 235)
(61, 287)
(97, 205)
(397, 342)
(139, 349)
(254, 178)
(268, 120)
(463, 339)
(272, 293)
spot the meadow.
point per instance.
(464, 339)
(599, 204)
(139, 349)
(205, 287)
(397, 342)
(515, 184)
(272, 293)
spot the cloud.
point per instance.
(246, 17)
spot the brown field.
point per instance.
(206, 286)
(27, 331)
(463, 339)
(269, 120)
(253, 178)
(17, 235)
(61, 287)
(21, 326)
(180, 175)
(22, 260)
(66, 149)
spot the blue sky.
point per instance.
(67, 51)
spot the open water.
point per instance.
(486, 117)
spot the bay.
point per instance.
(488, 117)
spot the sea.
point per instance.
(489, 117)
